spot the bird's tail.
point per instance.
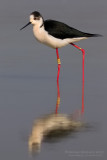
(92, 35)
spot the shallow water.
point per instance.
(28, 73)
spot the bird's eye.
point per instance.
(36, 18)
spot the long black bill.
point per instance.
(25, 25)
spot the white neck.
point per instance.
(38, 23)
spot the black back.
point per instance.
(63, 31)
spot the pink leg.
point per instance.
(59, 64)
(83, 58)
(58, 91)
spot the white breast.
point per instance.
(39, 33)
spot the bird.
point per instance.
(57, 34)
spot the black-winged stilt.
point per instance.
(56, 35)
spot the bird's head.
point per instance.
(35, 19)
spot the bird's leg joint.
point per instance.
(83, 51)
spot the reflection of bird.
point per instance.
(56, 35)
(51, 124)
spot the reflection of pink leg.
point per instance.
(58, 91)
(83, 58)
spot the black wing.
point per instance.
(63, 31)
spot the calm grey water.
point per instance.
(28, 73)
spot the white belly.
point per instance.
(43, 37)
(58, 43)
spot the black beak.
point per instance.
(25, 25)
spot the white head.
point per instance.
(35, 19)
